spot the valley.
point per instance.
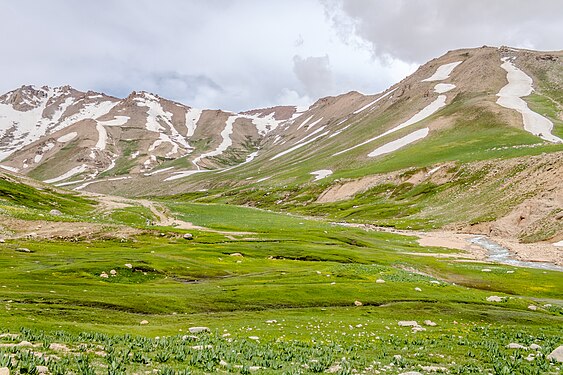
(414, 231)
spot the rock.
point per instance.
(2, 240)
(334, 369)
(188, 236)
(535, 347)
(514, 345)
(199, 329)
(25, 343)
(418, 329)
(380, 281)
(557, 354)
(418, 289)
(430, 323)
(113, 272)
(495, 299)
(189, 337)
(254, 368)
(407, 323)
(23, 250)
(410, 373)
(54, 212)
(532, 307)
(128, 265)
(59, 347)
(42, 369)
(435, 282)
(434, 368)
(397, 357)
(254, 337)
(201, 347)
(486, 270)
(223, 363)
(273, 321)
(236, 255)
(144, 322)
(104, 275)
(4, 371)
(358, 303)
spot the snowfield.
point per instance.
(192, 117)
(74, 171)
(373, 102)
(320, 174)
(299, 145)
(443, 72)
(427, 111)
(117, 121)
(442, 88)
(67, 137)
(399, 143)
(519, 85)
(225, 143)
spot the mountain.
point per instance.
(462, 131)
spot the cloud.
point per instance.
(314, 73)
(418, 30)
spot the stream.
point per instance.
(500, 254)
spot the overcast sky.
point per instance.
(243, 54)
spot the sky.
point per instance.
(243, 54)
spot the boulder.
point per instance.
(358, 303)
(408, 323)
(557, 354)
(430, 323)
(495, 299)
(514, 345)
(54, 212)
(4, 371)
(199, 329)
(535, 347)
(42, 369)
(188, 236)
(144, 322)
(380, 281)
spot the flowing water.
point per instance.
(500, 254)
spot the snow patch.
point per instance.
(226, 143)
(320, 174)
(558, 244)
(74, 171)
(8, 168)
(519, 85)
(299, 145)
(373, 102)
(399, 143)
(67, 137)
(192, 117)
(305, 122)
(183, 174)
(117, 121)
(423, 114)
(313, 124)
(102, 137)
(159, 171)
(442, 88)
(443, 72)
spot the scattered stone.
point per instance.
(434, 368)
(254, 368)
(397, 357)
(59, 347)
(410, 373)
(25, 343)
(9, 335)
(418, 289)
(334, 369)
(430, 323)
(4, 371)
(236, 255)
(495, 299)
(113, 272)
(535, 347)
(254, 337)
(358, 303)
(54, 212)
(189, 337)
(530, 357)
(188, 236)
(128, 265)
(2, 240)
(199, 329)
(104, 275)
(42, 369)
(435, 282)
(380, 281)
(23, 250)
(510, 271)
(144, 322)
(273, 321)
(514, 345)
(418, 329)
(557, 354)
(486, 270)
(532, 307)
(408, 323)
(201, 347)
(223, 363)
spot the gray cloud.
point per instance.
(240, 54)
(314, 73)
(418, 30)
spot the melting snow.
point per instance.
(11, 169)
(226, 143)
(442, 88)
(76, 170)
(67, 137)
(399, 143)
(443, 72)
(519, 85)
(299, 145)
(192, 117)
(102, 137)
(178, 175)
(320, 174)
(264, 179)
(159, 171)
(117, 121)
(559, 244)
(424, 113)
(373, 102)
(313, 124)
(305, 122)
(265, 124)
